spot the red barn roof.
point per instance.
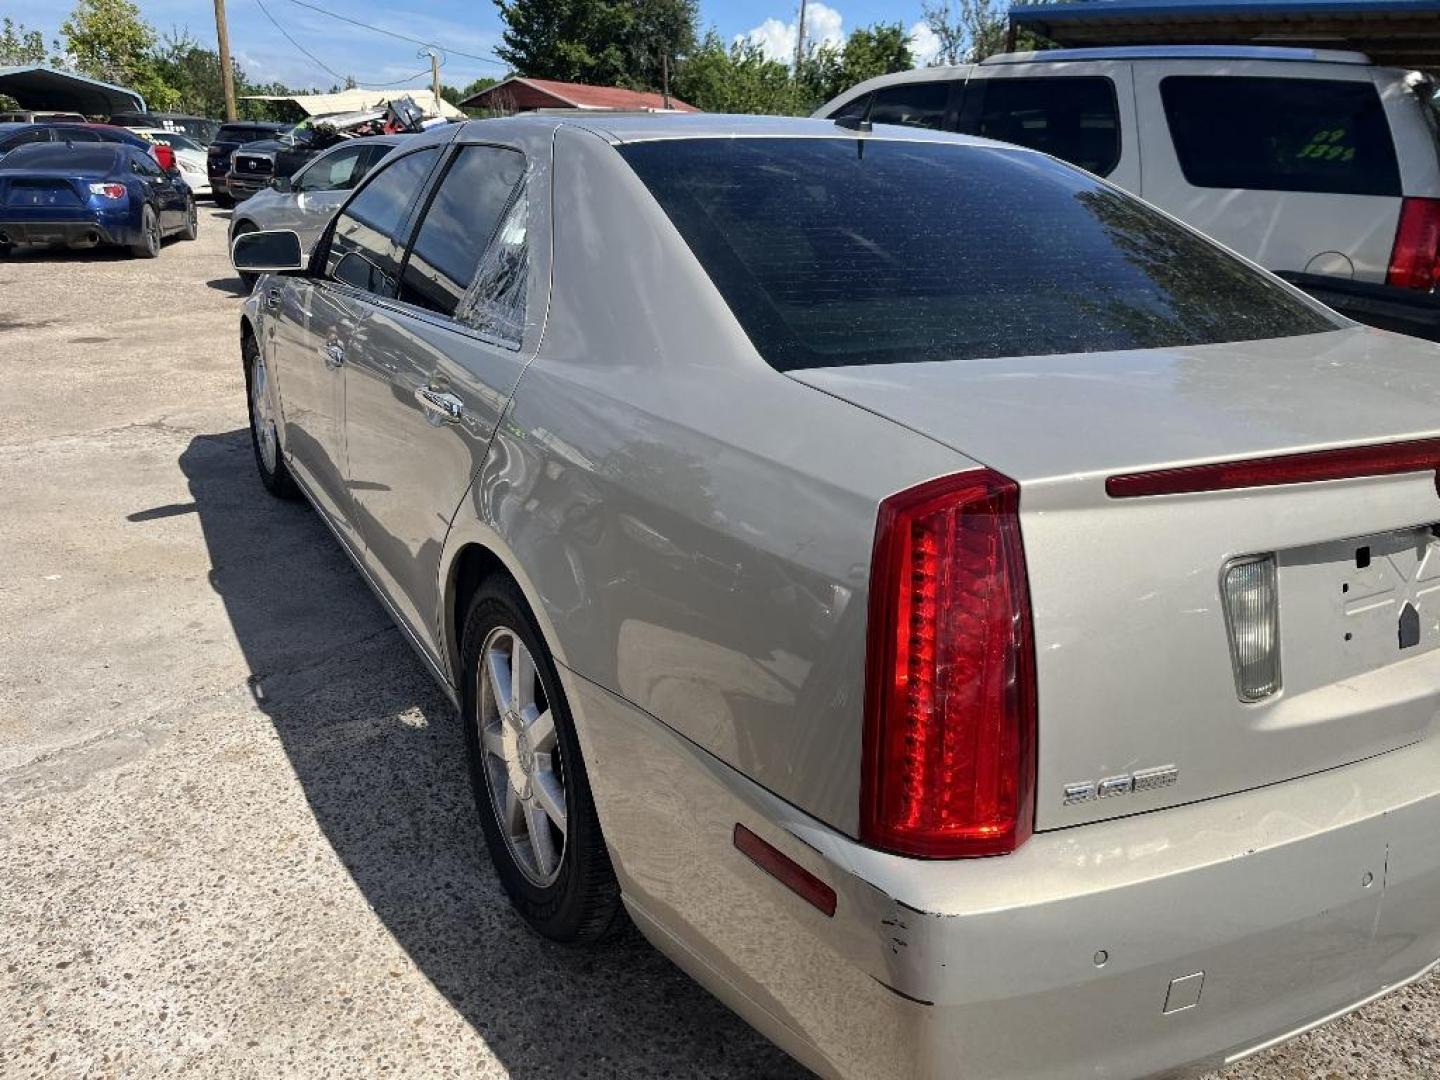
(527, 94)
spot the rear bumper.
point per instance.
(1405, 311)
(1274, 910)
(47, 227)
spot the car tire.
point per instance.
(225, 202)
(247, 276)
(264, 436)
(568, 895)
(191, 229)
(149, 245)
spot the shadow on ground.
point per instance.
(379, 753)
(233, 285)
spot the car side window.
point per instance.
(1072, 117)
(364, 247)
(457, 227)
(1279, 134)
(78, 135)
(339, 171)
(912, 104)
(852, 110)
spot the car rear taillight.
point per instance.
(163, 155)
(109, 191)
(950, 718)
(1417, 245)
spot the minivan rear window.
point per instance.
(1268, 134)
(849, 251)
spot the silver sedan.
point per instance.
(305, 202)
(970, 621)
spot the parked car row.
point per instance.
(83, 194)
(1314, 163)
(969, 619)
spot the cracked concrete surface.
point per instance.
(236, 836)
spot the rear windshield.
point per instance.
(1319, 135)
(865, 251)
(83, 159)
(242, 133)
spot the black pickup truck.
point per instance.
(227, 140)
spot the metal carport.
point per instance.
(46, 88)
(1399, 33)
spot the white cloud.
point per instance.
(924, 44)
(777, 38)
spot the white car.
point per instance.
(189, 156)
(1316, 164)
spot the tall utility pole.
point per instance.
(435, 81)
(800, 39)
(227, 76)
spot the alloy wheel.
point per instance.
(523, 768)
(262, 411)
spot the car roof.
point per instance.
(618, 127)
(1282, 53)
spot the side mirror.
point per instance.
(270, 252)
(282, 184)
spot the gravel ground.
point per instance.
(236, 838)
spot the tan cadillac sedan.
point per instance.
(974, 624)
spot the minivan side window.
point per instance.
(458, 225)
(1275, 134)
(364, 246)
(912, 104)
(1072, 117)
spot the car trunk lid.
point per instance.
(1133, 662)
(43, 189)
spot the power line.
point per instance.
(393, 34)
(297, 44)
(327, 67)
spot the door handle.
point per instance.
(334, 354)
(272, 298)
(441, 403)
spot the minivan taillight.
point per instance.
(1417, 245)
(949, 753)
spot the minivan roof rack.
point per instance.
(1182, 52)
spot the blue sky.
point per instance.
(471, 26)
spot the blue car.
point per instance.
(83, 194)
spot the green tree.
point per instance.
(869, 51)
(20, 46)
(970, 30)
(193, 71)
(107, 39)
(605, 42)
(737, 78)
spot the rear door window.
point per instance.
(339, 171)
(1074, 118)
(992, 252)
(913, 104)
(1268, 134)
(458, 225)
(365, 246)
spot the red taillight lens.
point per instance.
(110, 191)
(1417, 245)
(164, 156)
(949, 759)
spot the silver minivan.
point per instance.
(1317, 164)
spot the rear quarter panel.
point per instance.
(696, 526)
